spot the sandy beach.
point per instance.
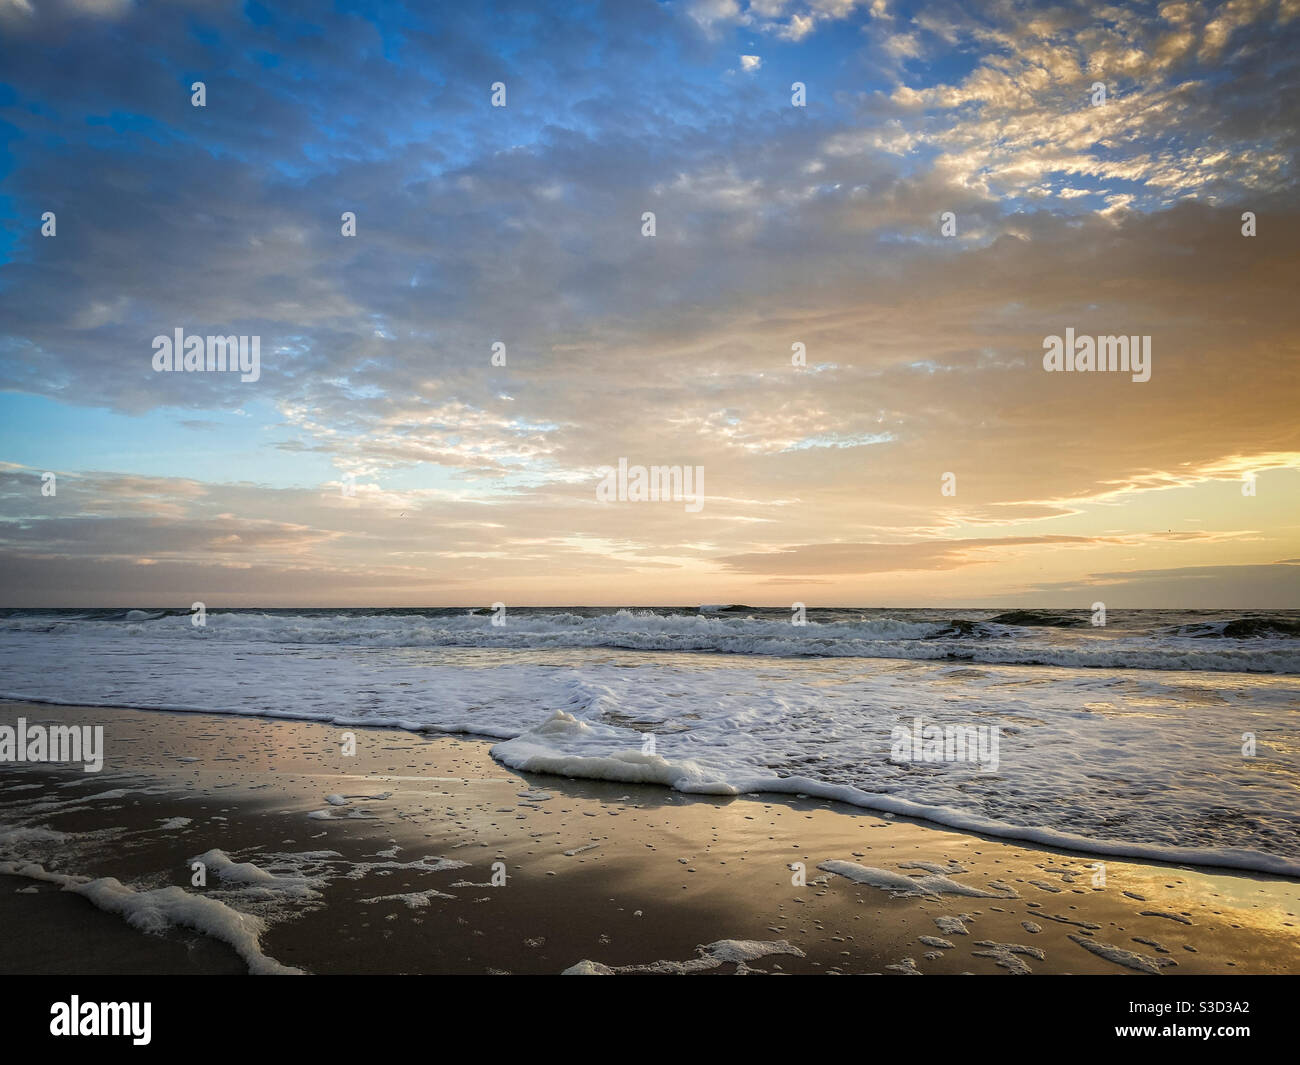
(385, 861)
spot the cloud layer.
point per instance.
(776, 228)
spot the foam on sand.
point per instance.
(247, 876)
(738, 952)
(413, 900)
(1142, 963)
(900, 886)
(1008, 955)
(158, 910)
(567, 747)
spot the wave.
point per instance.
(1251, 644)
(1034, 618)
(1248, 628)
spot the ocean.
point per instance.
(1169, 735)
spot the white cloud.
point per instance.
(903, 46)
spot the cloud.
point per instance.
(1257, 587)
(823, 559)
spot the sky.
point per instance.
(868, 218)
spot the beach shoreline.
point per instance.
(384, 861)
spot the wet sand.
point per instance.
(615, 875)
